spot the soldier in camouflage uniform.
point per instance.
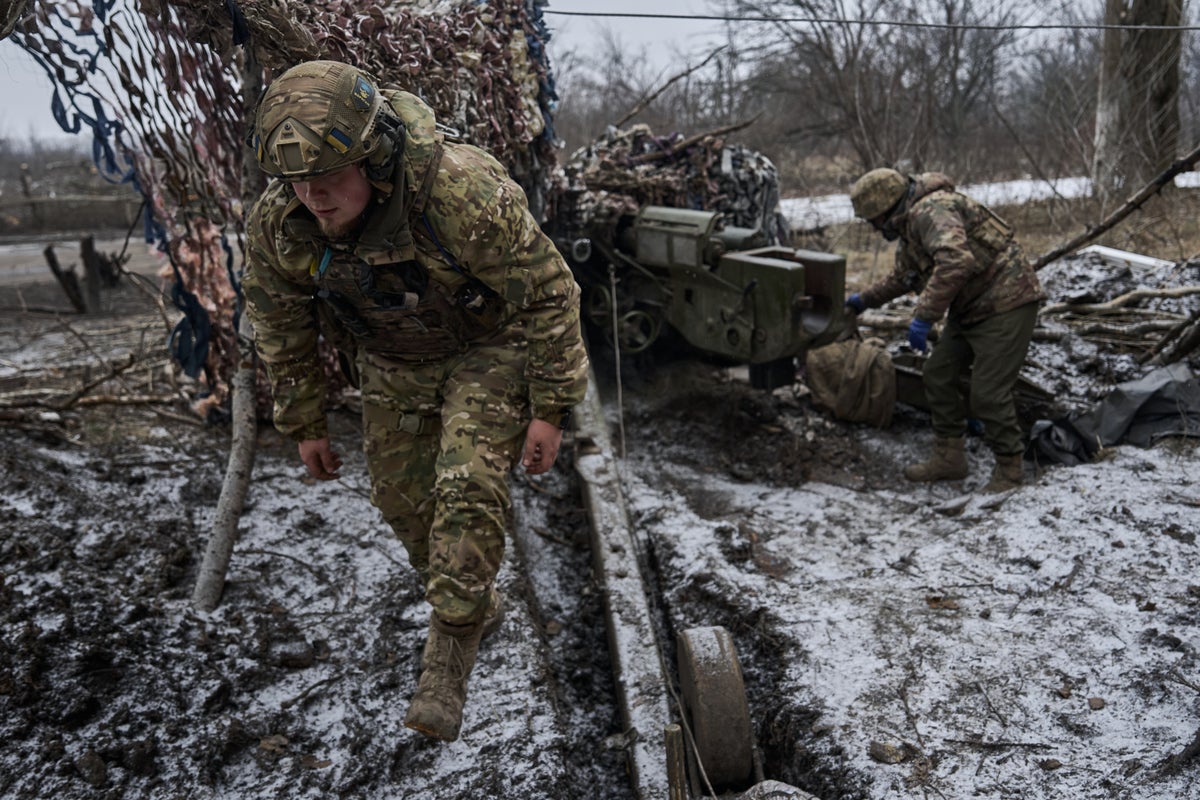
(963, 263)
(419, 259)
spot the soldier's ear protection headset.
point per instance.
(392, 134)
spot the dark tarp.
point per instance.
(1164, 402)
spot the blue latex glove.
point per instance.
(918, 332)
(855, 302)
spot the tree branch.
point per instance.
(1127, 208)
(650, 98)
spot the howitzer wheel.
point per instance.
(638, 330)
(597, 307)
(715, 709)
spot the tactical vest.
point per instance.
(987, 230)
(413, 311)
(988, 236)
(400, 311)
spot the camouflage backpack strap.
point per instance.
(426, 188)
(484, 291)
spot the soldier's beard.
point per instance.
(340, 230)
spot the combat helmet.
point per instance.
(877, 192)
(320, 116)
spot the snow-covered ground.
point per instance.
(812, 212)
(905, 641)
(898, 641)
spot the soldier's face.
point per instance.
(337, 199)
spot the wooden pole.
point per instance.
(91, 272)
(66, 279)
(210, 583)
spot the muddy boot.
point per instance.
(1008, 474)
(494, 615)
(436, 708)
(948, 462)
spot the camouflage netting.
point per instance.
(626, 169)
(159, 84)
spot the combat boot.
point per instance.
(1008, 474)
(446, 663)
(948, 462)
(494, 615)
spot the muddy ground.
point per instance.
(111, 685)
(760, 513)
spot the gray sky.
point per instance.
(660, 38)
(25, 91)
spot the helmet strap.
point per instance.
(391, 146)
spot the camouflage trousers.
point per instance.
(991, 352)
(440, 440)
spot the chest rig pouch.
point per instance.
(401, 312)
(989, 234)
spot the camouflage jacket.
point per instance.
(452, 215)
(957, 255)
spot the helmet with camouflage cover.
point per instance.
(877, 192)
(320, 116)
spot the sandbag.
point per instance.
(853, 379)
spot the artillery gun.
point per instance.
(725, 292)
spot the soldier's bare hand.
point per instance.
(542, 441)
(322, 460)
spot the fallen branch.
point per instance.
(113, 371)
(1176, 676)
(999, 745)
(1135, 329)
(1174, 333)
(286, 704)
(547, 535)
(1127, 208)
(53, 312)
(1178, 761)
(1188, 341)
(1121, 301)
(128, 400)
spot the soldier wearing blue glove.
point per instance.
(963, 263)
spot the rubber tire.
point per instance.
(714, 705)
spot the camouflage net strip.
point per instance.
(159, 85)
(624, 170)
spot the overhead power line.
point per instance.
(879, 22)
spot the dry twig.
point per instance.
(1121, 301)
(648, 99)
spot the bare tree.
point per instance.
(891, 91)
(598, 91)
(1050, 100)
(1137, 114)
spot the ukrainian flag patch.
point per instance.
(363, 94)
(338, 140)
